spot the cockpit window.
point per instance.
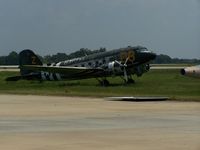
(144, 50)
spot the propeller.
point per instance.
(124, 68)
(125, 72)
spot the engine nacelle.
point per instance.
(193, 71)
(115, 67)
(147, 67)
(142, 69)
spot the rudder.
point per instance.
(28, 57)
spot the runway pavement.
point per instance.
(9, 68)
(49, 123)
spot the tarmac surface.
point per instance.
(60, 123)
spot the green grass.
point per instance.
(154, 83)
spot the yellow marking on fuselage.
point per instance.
(33, 60)
(123, 56)
(131, 56)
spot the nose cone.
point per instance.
(152, 56)
(145, 56)
(149, 56)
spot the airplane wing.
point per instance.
(69, 72)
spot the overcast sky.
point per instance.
(169, 27)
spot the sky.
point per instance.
(169, 27)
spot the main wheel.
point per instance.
(105, 83)
(130, 81)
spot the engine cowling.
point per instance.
(193, 71)
(147, 67)
(142, 69)
(115, 67)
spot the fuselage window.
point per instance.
(111, 59)
(89, 64)
(96, 64)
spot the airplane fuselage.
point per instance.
(136, 59)
(122, 62)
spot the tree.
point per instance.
(55, 58)
(162, 59)
(12, 58)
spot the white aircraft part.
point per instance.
(51, 77)
(111, 66)
(43, 76)
(58, 76)
(115, 67)
(193, 71)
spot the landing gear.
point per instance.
(128, 80)
(104, 82)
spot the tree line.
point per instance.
(13, 57)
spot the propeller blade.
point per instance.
(124, 69)
(126, 61)
(120, 64)
(125, 74)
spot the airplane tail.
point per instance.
(27, 57)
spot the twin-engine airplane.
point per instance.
(123, 62)
(193, 71)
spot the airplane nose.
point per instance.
(152, 56)
(145, 56)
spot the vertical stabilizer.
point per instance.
(27, 57)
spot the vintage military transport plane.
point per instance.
(123, 62)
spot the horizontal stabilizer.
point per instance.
(27, 77)
(14, 78)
